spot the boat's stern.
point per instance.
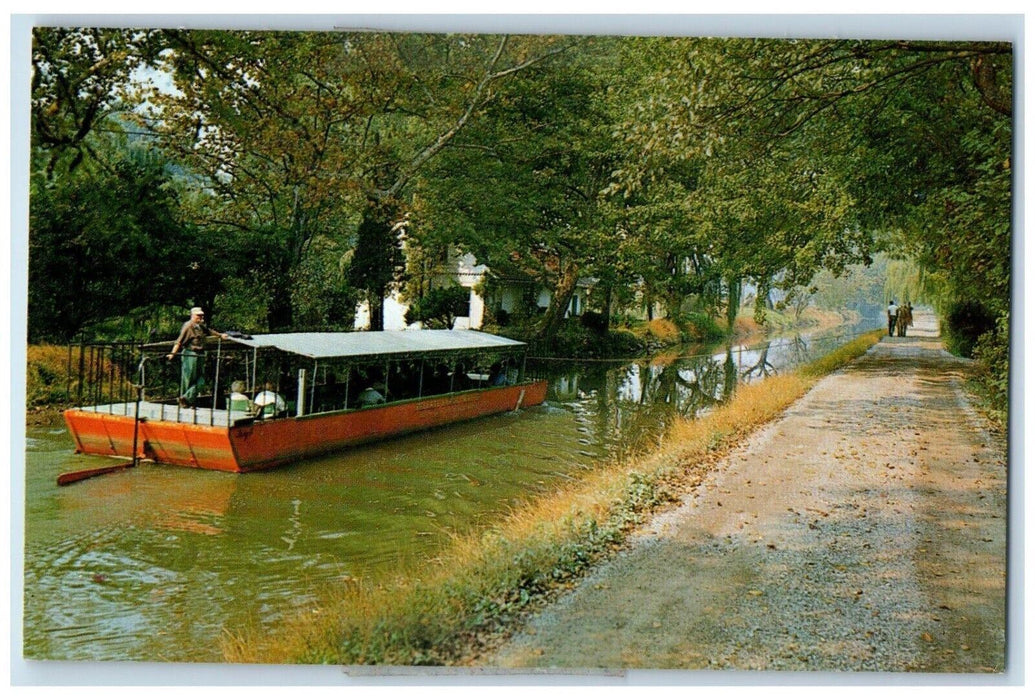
(169, 442)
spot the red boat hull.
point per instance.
(264, 444)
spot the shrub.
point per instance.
(594, 321)
(46, 375)
(992, 350)
(623, 343)
(965, 322)
(574, 339)
(440, 307)
(698, 327)
(624, 319)
(664, 330)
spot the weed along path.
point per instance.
(864, 530)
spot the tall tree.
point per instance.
(307, 135)
(106, 242)
(377, 260)
(899, 133)
(77, 80)
(524, 189)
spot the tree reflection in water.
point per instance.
(630, 406)
(762, 367)
(624, 407)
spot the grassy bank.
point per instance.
(50, 387)
(46, 375)
(48, 390)
(467, 599)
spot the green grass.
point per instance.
(842, 355)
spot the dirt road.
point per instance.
(864, 530)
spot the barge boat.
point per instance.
(333, 391)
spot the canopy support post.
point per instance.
(312, 385)
(215, 388)
(300, 407)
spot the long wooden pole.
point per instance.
(72, 477)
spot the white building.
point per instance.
(467, 272)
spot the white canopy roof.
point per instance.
(367, 343)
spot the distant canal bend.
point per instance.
(154, 563)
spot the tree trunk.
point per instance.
(608, 302)
(733, 301)
(280, 312)
(672, 295)
(376, 304)
(762, 300)
(674, 307)
(562, 293)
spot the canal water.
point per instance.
(155, 563)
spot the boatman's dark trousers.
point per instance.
(191, 379)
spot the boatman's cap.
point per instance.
(197, 310)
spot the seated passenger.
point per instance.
(437, 381)
(269, 403)
(461, 382)
(239, 401)
(403, 382)
(369, 397)
(497, 375)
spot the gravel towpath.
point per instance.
(864, 530)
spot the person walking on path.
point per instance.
(191, 347)
(892, 317)
(904, 319)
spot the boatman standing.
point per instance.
(192, 344)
